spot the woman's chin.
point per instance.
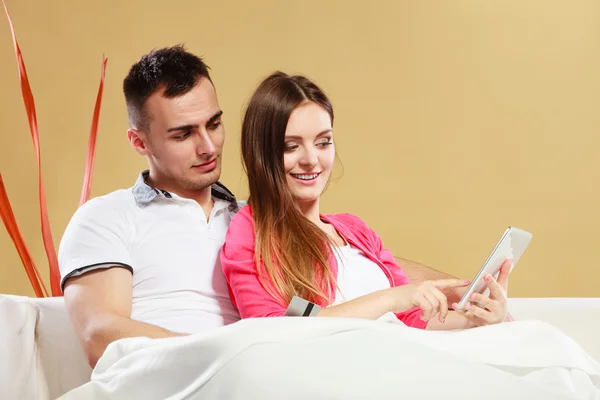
(306, 198)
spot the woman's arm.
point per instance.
(370, 306)
(427, 297)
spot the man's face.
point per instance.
(185, 139)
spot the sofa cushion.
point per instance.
(21, 377)
(64, 363)
(577, 317)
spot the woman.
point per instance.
(280, 245)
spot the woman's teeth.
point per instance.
(305, 177)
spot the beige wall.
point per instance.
(453, 119)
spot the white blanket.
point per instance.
(335, 358)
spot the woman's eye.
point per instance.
(326, 143)
(289, 147)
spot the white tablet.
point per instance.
(511, 245)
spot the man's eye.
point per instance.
(181, 137)
(215, 125)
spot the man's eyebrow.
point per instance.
(326, 131)
(192, 127)
(214, 118)
(182, 128)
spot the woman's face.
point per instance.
(308, 152)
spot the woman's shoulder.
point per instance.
(349, 220)
(352, 226)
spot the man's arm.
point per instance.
(99, 305)
(418, 273)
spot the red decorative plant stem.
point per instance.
(6, 211)
(32, 119)
(15, 234)
(89, 165)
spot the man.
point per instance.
(144, 261)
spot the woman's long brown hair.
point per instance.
(292, 253)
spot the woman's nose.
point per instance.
(309, 157)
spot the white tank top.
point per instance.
(357, 275)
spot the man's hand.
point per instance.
(99, 305)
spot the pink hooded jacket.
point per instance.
(251, 298)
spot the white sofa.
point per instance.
(40, 356)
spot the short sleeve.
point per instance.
(98, 236)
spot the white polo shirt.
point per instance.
(169, 247)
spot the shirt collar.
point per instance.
(144, 194)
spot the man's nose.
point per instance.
(205, 145)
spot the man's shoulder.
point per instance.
(116, 202)
(119, 195)
(118, 198)
(241, 204)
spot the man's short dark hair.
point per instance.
(173, 70)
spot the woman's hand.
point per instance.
(483, 310)
(426, 295)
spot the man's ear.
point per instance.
(137, 140)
